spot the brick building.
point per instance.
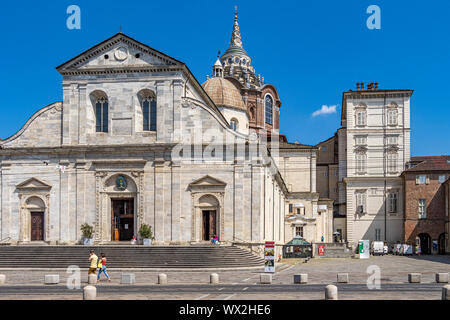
(425, 206)
(447, 214)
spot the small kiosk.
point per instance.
(297, 248)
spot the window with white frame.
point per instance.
(361, 117)
(422, 209)
(361, 163)
(361, 140)
(360, 201)
(392, 116)
(234, 124)
(392, 202)
(392, 140)
(299, 232)
(422, 179)
(442, 178)
(392, 159)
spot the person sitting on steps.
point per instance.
(215, 239)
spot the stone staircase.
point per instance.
(124, 257)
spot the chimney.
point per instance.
(376, 85)
(357, 86)
(362, 85)
(370, 86)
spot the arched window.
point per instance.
(269, 109)
(149, 111)
(101, 114)
(234, 124)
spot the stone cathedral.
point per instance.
(138, 139)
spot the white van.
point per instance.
(378, 248)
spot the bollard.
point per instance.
(331, 292)
(442, 277)
(342, 278)
(414, 277)
(301, 278)
(162, 278)
(89, 293)
(128, 278)
(266, 278)
(214, 278)
(2, 279)
(446, 292)
(92, 279)
(51, 279)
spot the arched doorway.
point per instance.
(36, 209)
(425, 243)
(441, 243)
(209, 206)
(122, 193)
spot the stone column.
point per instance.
(177, 125)
(159, 200)
(176, 202)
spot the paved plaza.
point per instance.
(244, 285)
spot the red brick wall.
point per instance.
(434, 194)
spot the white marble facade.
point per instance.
(58, 165)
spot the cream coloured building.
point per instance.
(373, 147)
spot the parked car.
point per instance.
(378, 248)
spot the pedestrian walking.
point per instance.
(93, 259)
(102, 267)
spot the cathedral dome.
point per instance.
(224, 93)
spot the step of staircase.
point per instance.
(171, 257)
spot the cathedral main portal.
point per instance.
(122, 219)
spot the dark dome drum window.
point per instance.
(269, 109)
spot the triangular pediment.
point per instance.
(33, 183)
(208, 181)
(119, 51)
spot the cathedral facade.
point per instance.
(137, 139)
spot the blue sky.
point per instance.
(311, 51)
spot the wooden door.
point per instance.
(212, 224)
(37, 226)
(206, 226)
